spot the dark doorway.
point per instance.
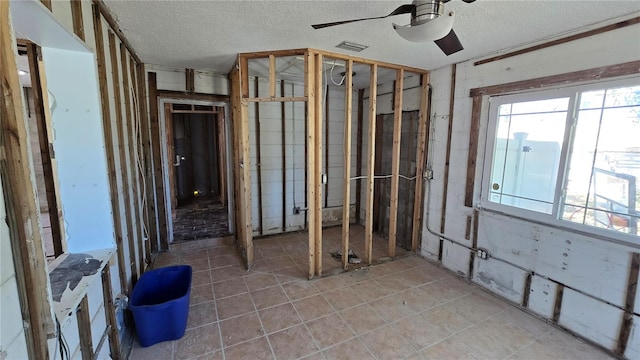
(196, 146)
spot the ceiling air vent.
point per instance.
(351, 46)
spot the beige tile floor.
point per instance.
(405, 309)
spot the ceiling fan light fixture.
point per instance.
(429, 30)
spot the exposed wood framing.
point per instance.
(346, 185)
(114, 26)
(371, 154)
(108, 143)
(527, 290)
(445, 189)
(132, 141)
(316, 210)
(171, 155)
(423, 140)
(157, 164)
(20, 201)
(557, 307)
(235, 161)
(190, 77)
(122, 151)
(150, 208)
(222, 154)
(110, 312)
(326, 147)
(359, 136)
(599, 73)
(38, 86)
(310, 92)
(259, 153)
(178, 95)
(283, 140)
(630, 302)
(563, 40)
(46, 3)
(467, 232)
(84, 329)
(243, 64)
(276, 53)
(277, 99)
(474, 243)
(359, 60)
(76, 15)
(395, 161)
(139, 130)
(272, 77)
(474, 132)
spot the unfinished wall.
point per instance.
(594, 272)
(272, 203)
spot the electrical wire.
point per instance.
(138, 127)
(343, 76)
(63, 346)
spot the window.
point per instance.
(569, 155)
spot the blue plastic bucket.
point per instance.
(160, 304)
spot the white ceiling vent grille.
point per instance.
(351, 46)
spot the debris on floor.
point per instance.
(353, 259)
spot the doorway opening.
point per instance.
(197, 176)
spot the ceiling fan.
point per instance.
(429, 22)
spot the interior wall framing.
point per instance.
(245, 91)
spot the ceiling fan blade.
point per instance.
(449, 44)
(402, 9)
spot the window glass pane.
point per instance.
(591, 99)
(623, 96)
(527, 153)
(604, 164)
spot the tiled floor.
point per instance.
(407, 308)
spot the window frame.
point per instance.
(553, 219)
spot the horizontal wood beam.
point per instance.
(179, 95)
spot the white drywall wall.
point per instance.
(595, 268)
(79, 149)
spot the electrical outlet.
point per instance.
(482, 253)
(296, 210)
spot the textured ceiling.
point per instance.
(209, 34)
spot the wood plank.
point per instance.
(371, 154)
(276, 53)
(283, 141)
(327, 103)
(20, 201)
(110, 311)
(317, 209)
(108, 143)
(277, 99)
(310, 93)
(360, 60)
(147, 149)
(46, 3)
(156, 140)
(563, 40)
(244, 76)
(395, 161)
(599, 73)
(132, 141)
(222, 156)
(258, 155)
(190, 77)
(179, 95)
(272, 77)
(445, 188)
(76, 15)
(235, 115)
(169, 118)
(246, 189)
(346, 181)
(84, 329)
(143, 247)
(474, 133)
(557, 307)
(114, 26)
(122, 154)
(630, 303)
(359, 137)
(474, 243)
(38, 86)
(423, 140)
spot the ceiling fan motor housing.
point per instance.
(426, 10)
